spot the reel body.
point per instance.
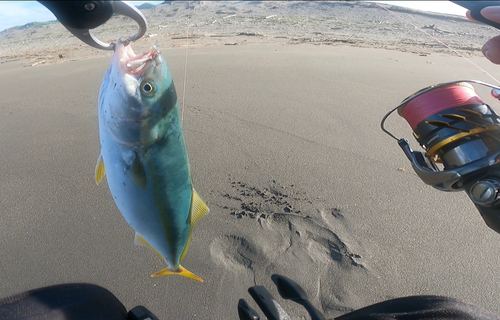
(461, 138)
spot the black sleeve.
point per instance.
(421, 307)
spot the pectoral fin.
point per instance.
(198, 210)
(100, 171)
(182, 272)
(138, 174)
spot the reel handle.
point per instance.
(475, 8)
(485, 194)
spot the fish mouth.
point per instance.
(131, 63)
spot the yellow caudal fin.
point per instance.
(140, 241)
(100, 171)
(182, 272)
(198, 210)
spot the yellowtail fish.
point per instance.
(143, 155)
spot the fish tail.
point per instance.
(181, 272)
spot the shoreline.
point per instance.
(336, 23)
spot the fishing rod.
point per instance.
(475, 8)
(460, 135)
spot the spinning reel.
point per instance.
(461, 138)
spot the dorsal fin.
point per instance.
(198, 210)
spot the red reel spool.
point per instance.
(452, 124)
(439, 99)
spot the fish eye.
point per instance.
(148, 88)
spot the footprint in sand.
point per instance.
(292, 237)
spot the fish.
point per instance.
(144, 157)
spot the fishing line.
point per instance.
(183, 103)
(186, 62)
(439, 41)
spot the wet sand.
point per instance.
(285, 148)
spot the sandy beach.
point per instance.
(285, 147)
